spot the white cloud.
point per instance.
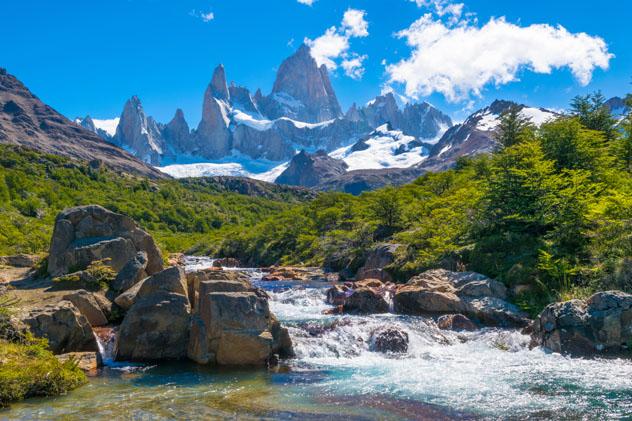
(207, 17)
(328, 47)
(204, 16)
(354, 24)
(458, 59)
(306, 2)
(353, 66)
(333, 46)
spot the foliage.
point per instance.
(98, 275)
(34, 187)
(27, 367)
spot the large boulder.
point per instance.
(366, 300)
(235, 328)
(132, 273)
(600, 325)
(95, 307)
(223, 280)
(87, 233)
(376, 261)
(156, 326)
(66, 329)
(171, 279)
(389, 339)
(439, 291)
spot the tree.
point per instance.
(514, 127)
(573, 147)
(594, 114)
(386, 208)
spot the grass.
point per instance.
(29, 369)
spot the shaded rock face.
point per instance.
(389, 339)
(376, 261)
(94, 307)
(28, 122)
(88, 233)
(366, 300)
(439, 291)
(309, 170)
(232, 323)
(140, 133)
(156, 327)
(88, 123)
(66, 329)
(600, 325)
(177, 133)
(132, 273)
(302, 91)
(455, 322)
(240, 98)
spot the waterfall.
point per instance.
(106, 342)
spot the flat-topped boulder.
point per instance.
(87, 233)
(232, 323)
(600, 325)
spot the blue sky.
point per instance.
(90, 56)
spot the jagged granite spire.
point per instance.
(218, 86)
(139, 134)
(302, 90)
(177, 133)
(212, 136)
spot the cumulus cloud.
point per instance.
(306, 2)
(443, 8)
(333, 47)
(458, 59)
(354, 24)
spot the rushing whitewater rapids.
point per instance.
(445, 375)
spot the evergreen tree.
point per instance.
(514, 128)
(592, 112)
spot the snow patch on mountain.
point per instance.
(383, 149)
(109, 125)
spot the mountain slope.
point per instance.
(27, 121)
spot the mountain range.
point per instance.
(296, 135)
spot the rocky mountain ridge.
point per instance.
(26, 121)
(301, 113)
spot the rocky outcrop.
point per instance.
(232, 323)
(21, 260)
(439, 291)
(132, 273)
(376, 262)
(212, 137)
(389, 339)
(601, 325)
(65, 328)
(366, 300)
(309, 170)
(455, 322)
(28, 122)
(156, 327)
(302, 91)
(95, 307)
(177, 133)
(88, 233)
(139, 133)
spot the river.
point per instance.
(488, 374)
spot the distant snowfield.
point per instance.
(109, 126)
(382, 152)
(239, 166)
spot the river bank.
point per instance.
(487, 373)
